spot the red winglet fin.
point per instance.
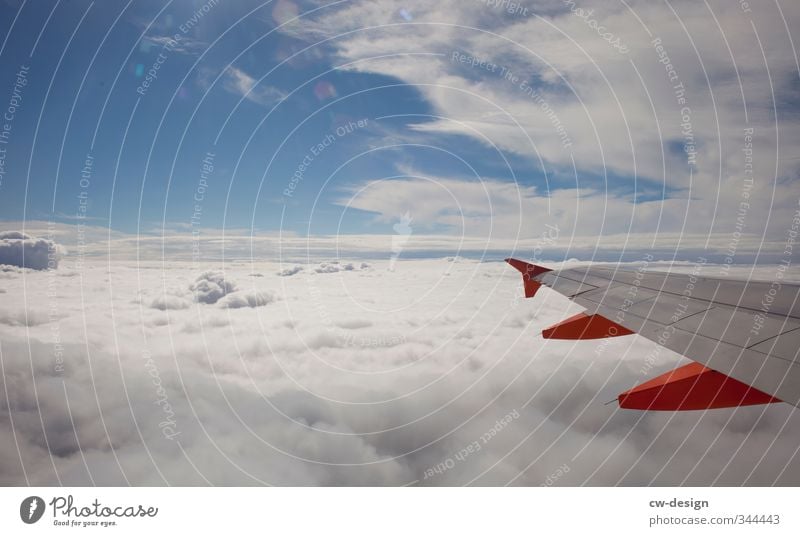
(583, 326)
(692, 387)
(531, 287)
(528, 271)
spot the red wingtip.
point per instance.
(692, 387)
(531, 287)
(528, 271)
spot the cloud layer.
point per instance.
(430, 374)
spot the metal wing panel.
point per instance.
(776, 298)
(563, 285)
(581, 275)
(651, 280)
(785, 346)
(619, 296)
(757, 295)
(668, 308)
(736, 326)
(635, 323)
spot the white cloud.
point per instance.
(166, 44)
(169, 301)
(287, 272)
(210, 286)
(240, 83)
(333, 267)
(354, 377)
(621, 111)
(238, 300)
(290, 249)
(25, 251)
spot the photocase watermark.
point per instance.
(170, 43)
(31, 509)
(472, 448)
(374, 341)
(633, 291)
(522, 84)
(346, 337)
(680, 311)
(66, 513)
(198, 14)
(9, 114)
(510, 7)
(402, 233)
(744, 5)
(169, 427)
(586, 15)
(555, 476)
(679, 90)
(317, 149)
(206, 169)
(769, 296)
(95, 514)
(53, 315)
(82, 211)
(54, 253)
(548, 237)
(744, 205)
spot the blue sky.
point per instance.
(259, 84)
(148, 148)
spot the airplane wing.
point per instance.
(743, 336)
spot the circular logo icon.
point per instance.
(31, 509)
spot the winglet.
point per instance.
(528, 271)
(531, 270)
(692, 387)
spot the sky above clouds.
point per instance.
(272, 232)
(334, 118)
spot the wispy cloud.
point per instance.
(544, 72)
(437, 234)
(185, 45)
(240, 83)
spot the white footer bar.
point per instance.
(399, 511)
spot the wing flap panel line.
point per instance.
(564, 285)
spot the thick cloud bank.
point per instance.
(26, 251)
(209, 287)
(433, 373)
